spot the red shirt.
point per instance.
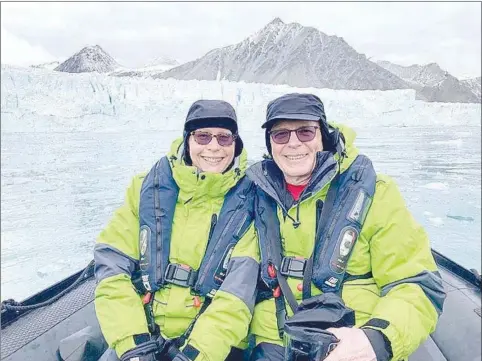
(295, 190)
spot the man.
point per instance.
(341, 229)
(177, 264)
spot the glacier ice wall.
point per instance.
(39, 100)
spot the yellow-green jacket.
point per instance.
(393, 284)
(119, 309)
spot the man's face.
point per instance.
(296, 158)
(207, 154)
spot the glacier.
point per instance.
(72, 142)
(42, 100)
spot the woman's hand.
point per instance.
(353, 346)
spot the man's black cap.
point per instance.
(295, 106)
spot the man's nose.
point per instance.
(294, 141)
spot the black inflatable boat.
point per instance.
(59, 323)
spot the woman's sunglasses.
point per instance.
(204, 138)
(304, 134)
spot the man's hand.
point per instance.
(149, 357)
(353, 346)
(146, 351)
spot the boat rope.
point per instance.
(13, 305)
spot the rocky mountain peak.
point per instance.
(291, 54)
(89, 59)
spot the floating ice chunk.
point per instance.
(436, 221)
(427, 214)
(51, 268)
(461, 218)
(437, 186)
(42, 274)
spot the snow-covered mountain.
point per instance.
(435, 84)
(50, 65)
(474, 84)
(450, 90)
(424, 75)
(161, 62)
(290, 54)
(89, 59)
(152, 67)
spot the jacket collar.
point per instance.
(269, 177)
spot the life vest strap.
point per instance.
(293, 267)
(181, 275)
(179, 342)
(280, 315)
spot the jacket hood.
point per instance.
(351, 151)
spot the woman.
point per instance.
(332, 232)
(177, 264)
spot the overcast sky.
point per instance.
(134, 33)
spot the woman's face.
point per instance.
(206, 152)
(296, 158)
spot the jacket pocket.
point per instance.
(174, 310)
(160, 302)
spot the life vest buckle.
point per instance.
(293, 267)
(181, 275)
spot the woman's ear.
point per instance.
(187, 155)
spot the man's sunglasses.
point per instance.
(304, 134)
(204, 138)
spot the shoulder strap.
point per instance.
(326, 210)
(268, 229)
(235, 217)
(156, 211)
(343, 216)
(286, 291)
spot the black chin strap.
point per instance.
(338, 143)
